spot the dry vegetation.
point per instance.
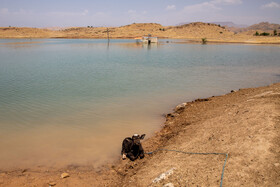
(194, 31)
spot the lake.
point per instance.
(72, 101)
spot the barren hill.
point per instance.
(264, 26)
(25, 32)
(198, 30)
(230, 24)
(260, 27)
(193, 31)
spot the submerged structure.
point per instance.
(148, 39)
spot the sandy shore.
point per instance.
(245, 124)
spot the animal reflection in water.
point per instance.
(132, 148)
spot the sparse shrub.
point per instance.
(279, 34)
(275, 32)
(219, 25)
(257, 33)
(221, 32)
(162, 29)
(203, 40)
(264, 34)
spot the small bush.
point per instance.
(264, 34)
(257, 33)
(203, 40)
(275, 32)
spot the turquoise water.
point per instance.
(67, 101)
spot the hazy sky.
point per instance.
(64, 13)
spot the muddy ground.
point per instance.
(245, 124)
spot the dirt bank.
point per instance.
(244, 124)
(194, 31)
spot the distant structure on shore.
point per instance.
(147, 39)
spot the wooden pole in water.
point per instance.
(108, 35)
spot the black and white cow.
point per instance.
(132, 148)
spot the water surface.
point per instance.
(72, 101)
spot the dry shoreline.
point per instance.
(193, 31)
(259, 41)
(245, 124)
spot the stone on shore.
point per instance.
(168, 185)
(163, 175)
(51, 183)
(64, 175)
(180, 107)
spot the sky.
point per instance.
(66, 13)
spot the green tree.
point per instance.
(275, 32)
(264, 34)
(257, 33)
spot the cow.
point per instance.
(132, 148)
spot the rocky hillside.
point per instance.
(260, 27)
(24, 32)
(264, 26)
(192, 30)
(198, 30)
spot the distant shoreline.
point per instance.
(188, 40)
(194, 31)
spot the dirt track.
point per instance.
(244, 124)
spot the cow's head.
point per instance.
(136, 138)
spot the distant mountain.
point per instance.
(55, 28)
(230, 24)
(182, 23)
(223, 24)
(264, 26)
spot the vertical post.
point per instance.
(108, 35)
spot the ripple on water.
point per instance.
(67, 101)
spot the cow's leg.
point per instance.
(131, 156)
(126, 147)
(141, 155)
(123, 156)
(141, 152)
(123, 151)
